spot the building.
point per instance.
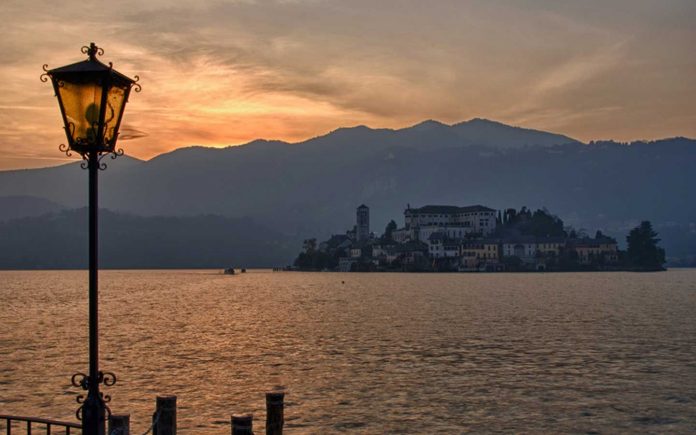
(362, 223)
(476, 218)
(550, 247)
(347, 264)
(442, 246)
(522, 247)
(602, 250)
(411, 254)
(460, 221)
(337, 242)
(451, 238)
(478, 254)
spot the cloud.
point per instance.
(221, 72)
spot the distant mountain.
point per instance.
(65, 184)
(13, 207)
(496, 135)
(148, 187)
(129, 242)
(312, 188)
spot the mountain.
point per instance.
(236, 180)
(65, 184)
(311, 188)
(497, 135)
(13, 207)
(132, 242)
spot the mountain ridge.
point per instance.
(311, 188)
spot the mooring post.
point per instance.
(242, 424)
(119, 424)
(164, 418)
(274, 412)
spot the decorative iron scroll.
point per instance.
(44, 77)
(92, 50)
(113, 154)
(81, 380)
(136, 85)
(65, 149)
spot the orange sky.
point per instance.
(219, 73)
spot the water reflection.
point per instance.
(369, 353)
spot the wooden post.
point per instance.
(274, 412)
(242, 424)
(119, 424)
(164, 418)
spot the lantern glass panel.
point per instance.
(115, 100)
(81, 102)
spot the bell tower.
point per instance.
(362, 227)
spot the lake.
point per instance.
(363, 353)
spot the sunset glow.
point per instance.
(225, 73)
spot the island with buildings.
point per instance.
(446, 238)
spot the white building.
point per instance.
(455, 221)
(523, 247)
(440, 246)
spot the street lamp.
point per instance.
(92, 97)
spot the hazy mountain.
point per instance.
(13, 207)
(258, 176)
(497, 135)
(65, 184)
(312, 188)
(129, 242)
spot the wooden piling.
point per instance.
(119, 424)
(242, 424)
(274, 412)
(164, 418)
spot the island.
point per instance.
(476, 238)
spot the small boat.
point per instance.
(229, 271)
(243, 270)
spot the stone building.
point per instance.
(362, 223)
(455, 222)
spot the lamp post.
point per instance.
(92, 97)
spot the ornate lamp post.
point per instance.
(92, 97)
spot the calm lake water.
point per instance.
(364, 353)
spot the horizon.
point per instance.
(60, 161)
(216, 74)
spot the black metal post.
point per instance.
(93, 410)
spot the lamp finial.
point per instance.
(92, 51)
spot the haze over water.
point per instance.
(369, 353)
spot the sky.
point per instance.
(220, 73)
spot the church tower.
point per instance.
(362, 227)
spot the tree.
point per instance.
(510, 216)
(544, 224)
(309, 245)
(643, 252)
(315, 260)
(391, 227)
(540, 223)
